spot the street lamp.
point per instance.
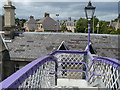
(93, 24)
(89, 12)
(58, 21)
(98, 27)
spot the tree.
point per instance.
(17, 21)
(22, 21)
(103, 27)
(63, 27)
(81, 25)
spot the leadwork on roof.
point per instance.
(63, 46)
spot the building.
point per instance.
(6, 68)
(31, 25)
(48, 24)
(1, 23)
(116, 25)
(28, 46)
(70, 24)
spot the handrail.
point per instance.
(114, 62)
(18, 77)
(68, 51)
(98, 63)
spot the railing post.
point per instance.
(88, 36)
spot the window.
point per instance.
(16, 67)
(41, 26)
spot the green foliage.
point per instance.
(17, 21)
(81, 25)
(104, 28)
(63, 27)
(37, 19)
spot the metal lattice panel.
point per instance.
(67, 63)
(109, 75)
(41, 78)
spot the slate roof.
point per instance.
(31, 24)
(49, 24)
(32, 45)
(31, 21)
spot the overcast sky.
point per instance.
(107, 10)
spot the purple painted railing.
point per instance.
(106, 70)
(38, 66)
(71, 64)
(43, 72)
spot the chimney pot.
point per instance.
(46, 15)
(9, 3)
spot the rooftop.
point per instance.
(31, 45)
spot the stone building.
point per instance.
(70, 24)
(6, 65)
(31, 25)
(1, 23)
(27, 47)
(48, 24)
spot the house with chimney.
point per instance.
(46, 24)
(31, 24)
(69, 23)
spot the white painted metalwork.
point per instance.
(109, 75)
(63, 58)
(41, 78)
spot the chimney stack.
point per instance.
(31, 17)
(46, 15)
(9, 3)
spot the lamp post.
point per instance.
(98, 27)
(93, 24)
(89, 12)
(57, 21)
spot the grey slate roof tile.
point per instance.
(33, 45)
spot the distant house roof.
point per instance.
(68, 22)
(30, 46)
(49, 24)
(31, 20)
(31, 23)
